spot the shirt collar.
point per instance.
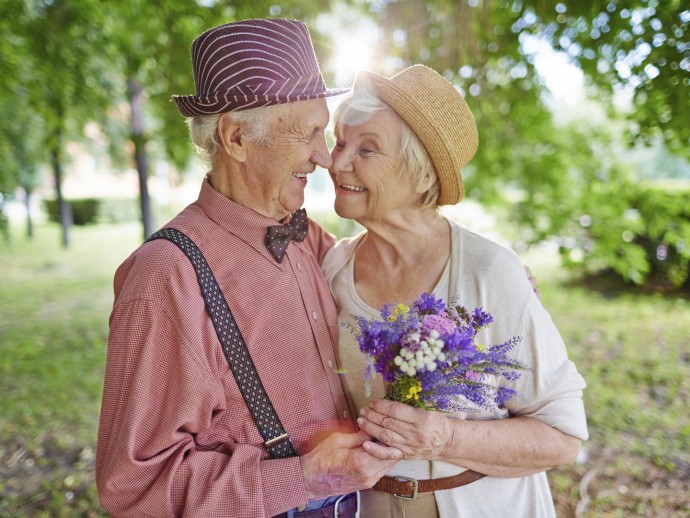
(248, 225)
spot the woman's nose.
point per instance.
(341, 161)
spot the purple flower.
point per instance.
(428, 304)
(481, 318)
(460, 346)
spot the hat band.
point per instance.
(262, 86)
(253, 93)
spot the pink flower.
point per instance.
(473, 376)
(444, 326)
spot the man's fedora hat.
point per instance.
(438, 115)
(253, 63)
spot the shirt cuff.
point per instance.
(283, 485)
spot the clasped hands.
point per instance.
(417, 433)
(389, 432)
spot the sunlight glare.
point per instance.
(353, 51)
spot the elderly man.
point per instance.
(237, 409)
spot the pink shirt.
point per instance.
(175, 435)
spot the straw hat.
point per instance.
(253, 63)
(439, 116)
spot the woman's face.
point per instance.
(366, 168)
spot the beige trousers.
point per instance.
(377, 504)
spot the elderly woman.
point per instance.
(400, 146)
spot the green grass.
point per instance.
(54, 307)
(633, 349)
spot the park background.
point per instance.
(582, 168)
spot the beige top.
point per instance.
(481, 273)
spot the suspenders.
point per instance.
(234, 348)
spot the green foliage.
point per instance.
(638, 230)
(84, 211)
(666, 238)
(640, 45)
(87, 211)
(117, 210)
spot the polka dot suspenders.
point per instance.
(234, 348)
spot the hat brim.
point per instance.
(418, 115)
(193, 105)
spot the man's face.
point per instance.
(297, 146)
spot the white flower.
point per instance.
(433, 334)
(411, 371)
(398, 361)
(441, 357)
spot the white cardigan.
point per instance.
(482, 274)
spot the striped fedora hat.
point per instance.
(253, 63)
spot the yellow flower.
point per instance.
(414, 391)
(481, 348)
(400, 309)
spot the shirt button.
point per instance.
(345, 413)
(330, 363)
(314, 315)
(299, 266)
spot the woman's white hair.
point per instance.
(417, 165)
(203, 129)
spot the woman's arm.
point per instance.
(512, 447)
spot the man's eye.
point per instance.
(367, 151)
(339, 145)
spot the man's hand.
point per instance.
(417, 433)
(344, 463)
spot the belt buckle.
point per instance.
(415, 488)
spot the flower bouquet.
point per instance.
(429, 357)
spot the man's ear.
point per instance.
(231, 139)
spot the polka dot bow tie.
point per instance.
(278, 236)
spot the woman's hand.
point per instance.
(419, 434)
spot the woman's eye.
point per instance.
(366, 151)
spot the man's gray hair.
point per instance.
(203, 129)
(417, 165)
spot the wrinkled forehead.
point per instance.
(308, 115)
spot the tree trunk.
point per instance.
(139, 140)
(64, 210)
(29, 221)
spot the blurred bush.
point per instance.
(640, 232)
(86, 211)
(118, 210)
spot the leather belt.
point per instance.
(344, 507)
(408, 488)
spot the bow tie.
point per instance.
(278, 236)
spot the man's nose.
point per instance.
(321, 156)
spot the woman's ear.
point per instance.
(230, 138)
(424, 184)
